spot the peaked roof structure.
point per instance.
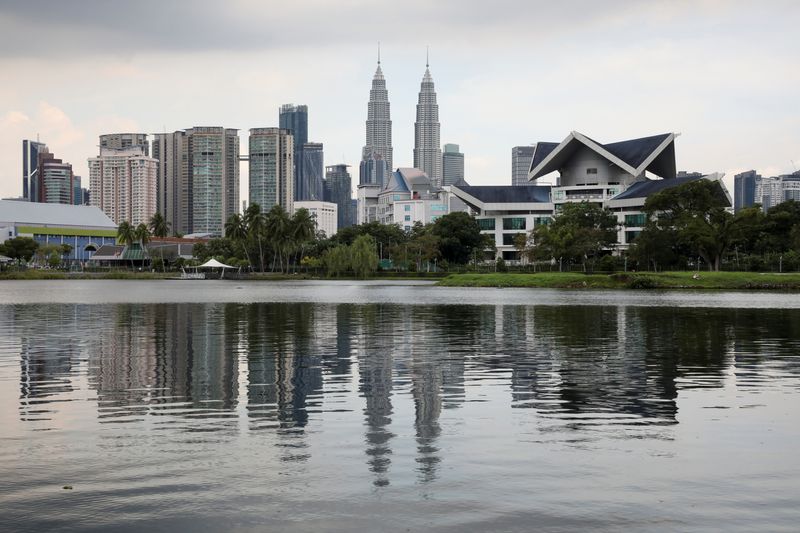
(62, 215)
(501, 197)
(645, 188)
(655, 154)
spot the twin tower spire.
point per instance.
(427, 147)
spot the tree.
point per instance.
(696, 211)
(303, 228)
(236, 230)
(255, 223)
(159, 227)
(125, 233)
(579, 233)
(363, 256)
(336, 259)
(20, 249)
(277, 226)
(459, 235)
(66, 250)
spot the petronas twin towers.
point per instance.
(427, 147)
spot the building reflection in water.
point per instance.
(571, 366)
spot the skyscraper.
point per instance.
(427, 150)
(373, 170)
(53, 180)
(452, 164)
(338, 188)
(294, 118)
(379, 124)
(214, 172)
(198, 178)
(30, 165)
(521, 157)
(124, 184)
(744, 189)
(271, 168)
(312, 167)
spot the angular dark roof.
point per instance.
(635, 151)
(643, 189)
(507, 194)
(541, 151)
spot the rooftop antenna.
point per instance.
(379, 52)
(793, 165)
(427, 55)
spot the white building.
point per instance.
(325, 214)
(123, 184)
(410, 197)
(367, 203)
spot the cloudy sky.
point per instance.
(725, 74)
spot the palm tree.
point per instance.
(126, 235)
(236, 230)
(142, 236)
(254, 222)
(159, 227)
(277, 227)
(304, 228)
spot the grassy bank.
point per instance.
(637, 280)
(56, 274)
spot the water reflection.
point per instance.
(285, 368)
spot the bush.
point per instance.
(500, 265)
(642, 282)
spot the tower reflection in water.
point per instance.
(284, 368)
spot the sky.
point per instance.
(724, 74)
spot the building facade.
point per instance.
(213, 157)
(751, 188)
(84, 228)
(427, 150)
(123, 141)
(174, 185)
(452, 165)
(338, 190)
(294, 118)
(30, 167)
(53, 182)
(411, 197)
(378, 144)
(271, 168)
(373, 170)
(312, 167)
(521, 157)
(324, 213)
(124, 184)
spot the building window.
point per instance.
(630, 236)
(514, 223)
(638, 220)
(558, 195)
(486, 224)
(510, 255)
(438, 207)
(407, 207)
(407, 218)
(508, 238)
(408, 228)
(542, 221)
(591, 171)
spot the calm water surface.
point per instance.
(382, 407)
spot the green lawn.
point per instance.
(630, 280)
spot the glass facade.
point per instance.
(486, 224)
(207, 168)
(637, 220)
(514, 223)
(508, 238)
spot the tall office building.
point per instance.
(121, 141)
(373, 171)
(379, 125)
(769, 192)
(427, 150)
(744, 189)
(521, 157)
(214, 172)
(124, 184)
(30, 166)
(80, 194)
(338, 190)
(294, 118)
(174, 186)
(52, 182)
(198, 178)
(312, 168)
(271, 168)
(452, 164)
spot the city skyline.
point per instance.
(682, 67)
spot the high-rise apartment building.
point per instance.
(121, 141)
(294, 118)
(769, 192)
(198, 178)
(452, 165)
(378, 144)
(214, 172)
(427, 150)
(271, 168)
(338, 189)
(174, 199)
(312, 168)
(521, 157)
(124, 184)
(30, 166)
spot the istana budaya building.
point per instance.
(619, 176)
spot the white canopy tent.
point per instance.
(213, 263)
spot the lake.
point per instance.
(395, 406)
